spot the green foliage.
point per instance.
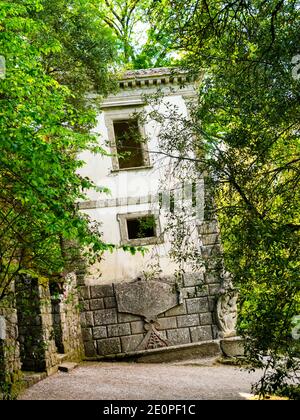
(246, 126)
(138, 26)
(44, 125)
(251, 106)
(134, 249)
(85, 47)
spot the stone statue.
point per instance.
(2, 328)
(227, 307)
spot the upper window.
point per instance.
(127, 139)
(128, 144)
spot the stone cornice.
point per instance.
(116, 202)
(135, 84)
(153, 77)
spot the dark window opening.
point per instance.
(160, 200)
(194, 194)
(56, 291)
(172, 201)
(128, 142)
(143, 227)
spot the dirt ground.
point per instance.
(134, 381)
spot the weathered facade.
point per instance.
(185, 309)
(134, 181)
(127, 304)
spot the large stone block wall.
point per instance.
(10, 363)
(106, 331)
(38, 350)
(66, 320)
(27, 330)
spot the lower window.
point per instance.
(140, 228)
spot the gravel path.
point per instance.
(131, 381)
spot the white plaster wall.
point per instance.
(122, 266)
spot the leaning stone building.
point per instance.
(129, 305)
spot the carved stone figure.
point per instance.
(227, 307)
(2, 328)
(153, 338)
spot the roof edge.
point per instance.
(154, 76)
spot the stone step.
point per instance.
(67, 366)
(31, 378)
(61, 357)
(177, 353)
(203, 361)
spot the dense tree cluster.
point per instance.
(54, 52)
(246, 125)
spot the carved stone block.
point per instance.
(145, 298)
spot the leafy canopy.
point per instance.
(246, 125)
(44, 125)
(139, 28)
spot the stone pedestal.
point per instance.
(232, 347)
